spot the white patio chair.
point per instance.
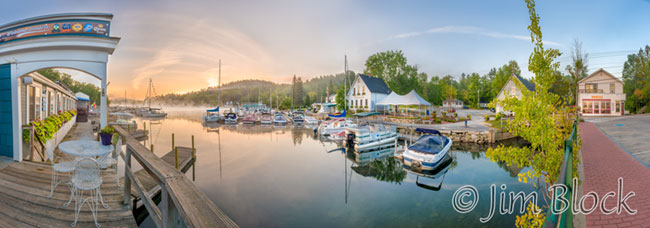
(64, 167)
(86, 178)
(107, 161)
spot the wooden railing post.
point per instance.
(127, 180)
(164, 205)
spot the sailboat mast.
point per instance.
(219, 86)
(149, 90)
(345, 85)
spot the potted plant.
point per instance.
(106, 135)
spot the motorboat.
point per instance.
(335, 126)
(428, 151)
(297, 119)
(266, 118)
(370, 137)
(279, 119)
(310, 120)
(212, 116)
(231, 117)
(340, 136)
(251, 118)
(123, 119)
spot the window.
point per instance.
(591, 88)
(354, 91)
(618, 106)
(366, 102)
(612, 88)
(606, 107)
(513, 91)
(364, 92)
(596, 107)
(586, 107)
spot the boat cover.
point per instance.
(428, 131)
(430, 144)
(213, 110)
(339, 115)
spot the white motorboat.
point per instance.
(428, 152)
(266, 118)
(279, 119)
(231, 118)
(310, 120)
(370, 137)
(335, 126)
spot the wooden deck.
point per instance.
(24, 187)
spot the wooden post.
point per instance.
(128, 128)
(151, 148)
(176, 155)
(127, 180)
(193, 150)
(173, 141)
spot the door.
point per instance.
(6, 127)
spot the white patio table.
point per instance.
(86, 149)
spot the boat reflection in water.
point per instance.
(439, 173)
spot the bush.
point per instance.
(444, 114)
(487, 118)
(498, 116)
(438, 121)
(455, 114)
(107, 130)
(469, 117)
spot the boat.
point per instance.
(279, 119)
(266, 118)
(123, 119)
(251, 118)
(310, 120)
(335, 126)
(428, 151)
(339, 115)
(340, 136)
(231, 117)
(370, 137)
(148, 111)
(297, 119)
(212, 116)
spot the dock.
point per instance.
(185, 161)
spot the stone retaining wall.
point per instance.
(468, 136)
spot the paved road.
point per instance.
(604, 163)
(630, 132)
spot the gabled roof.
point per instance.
(598, 71)
(529, 85)
(374, 84)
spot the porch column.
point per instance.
(103, 115)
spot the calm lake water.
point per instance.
(266, 176)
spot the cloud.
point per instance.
(469, 30)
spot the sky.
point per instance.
(178, 44)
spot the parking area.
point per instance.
(632, 133)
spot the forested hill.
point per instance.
(253, 90)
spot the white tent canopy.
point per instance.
(411, 98)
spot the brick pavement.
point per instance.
(604, 162)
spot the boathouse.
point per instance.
(365, 92)
(78, 41)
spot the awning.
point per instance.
(411, 98)
(366, 114)
(213, 110)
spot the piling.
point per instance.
(151, 148)
(193, 150)
(176, 156)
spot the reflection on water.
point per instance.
(278, 176)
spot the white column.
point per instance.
(15, 115)
(103, 115)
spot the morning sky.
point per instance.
(179, 43)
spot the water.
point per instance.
(265, 176)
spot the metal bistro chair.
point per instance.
(86, 178)
(107, 161)
(64, 167)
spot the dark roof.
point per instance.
(529, 85)
(375, 85)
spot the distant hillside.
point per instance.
(254, 90)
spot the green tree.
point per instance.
(577, 70)
(473, 90)
(538, 117)
(636, 79)
(391, 66)
(340, 98)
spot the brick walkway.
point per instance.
(604, 162)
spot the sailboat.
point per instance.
(212, 115)
(149, 111)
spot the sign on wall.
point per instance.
(55, 28)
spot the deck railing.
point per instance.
(182, 203)
(565, 219)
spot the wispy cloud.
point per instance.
(469, 30)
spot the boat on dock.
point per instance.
(311, 121)
(371, 136)
(266, 118)
(297, 119)
(428, 152)
(250, 118)
(231, 118)
(212, 116)
(279, 119)
(335, 126)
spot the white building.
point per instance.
(601, 94)
(365, 92)
(452, 103)
(510, 89)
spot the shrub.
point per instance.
(438, 121)
(487, 118)
(469, 117)
(444, 114)
(498, 116)
(107, 130)
(455, 114)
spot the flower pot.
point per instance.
(106, 138)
